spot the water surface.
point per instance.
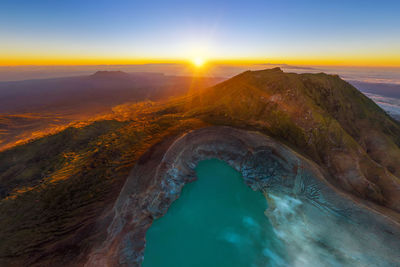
(217, 221)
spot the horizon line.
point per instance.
(228, 62)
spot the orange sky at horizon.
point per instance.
(388, 61)
(124, 32)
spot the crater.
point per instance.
(217, 220)
(316, 224)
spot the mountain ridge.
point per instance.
(314, 114)
(320, 114)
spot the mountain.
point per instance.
(82, 92)
(33, 108)
(320, 115)
(58, 191)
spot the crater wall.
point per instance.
(311, 216)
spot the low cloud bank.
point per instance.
(389, 104)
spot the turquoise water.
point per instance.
(217, 221)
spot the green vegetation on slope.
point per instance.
(72, 178)
(319, 115)
(55, 189)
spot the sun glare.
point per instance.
(198, 62)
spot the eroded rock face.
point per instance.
(305, 210)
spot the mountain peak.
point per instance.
(276, 69)
(110, 74)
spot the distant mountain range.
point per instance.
(104, 88)
(32, 108)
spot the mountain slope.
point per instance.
(51, 214)
(322, 116)
(34, 108)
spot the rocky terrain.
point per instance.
(310, 139)
(266, 165)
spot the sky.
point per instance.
(79, 32)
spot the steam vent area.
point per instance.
(222, 193)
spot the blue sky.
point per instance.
(276, 30)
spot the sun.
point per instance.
(198, 62)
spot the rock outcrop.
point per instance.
(327, 216)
